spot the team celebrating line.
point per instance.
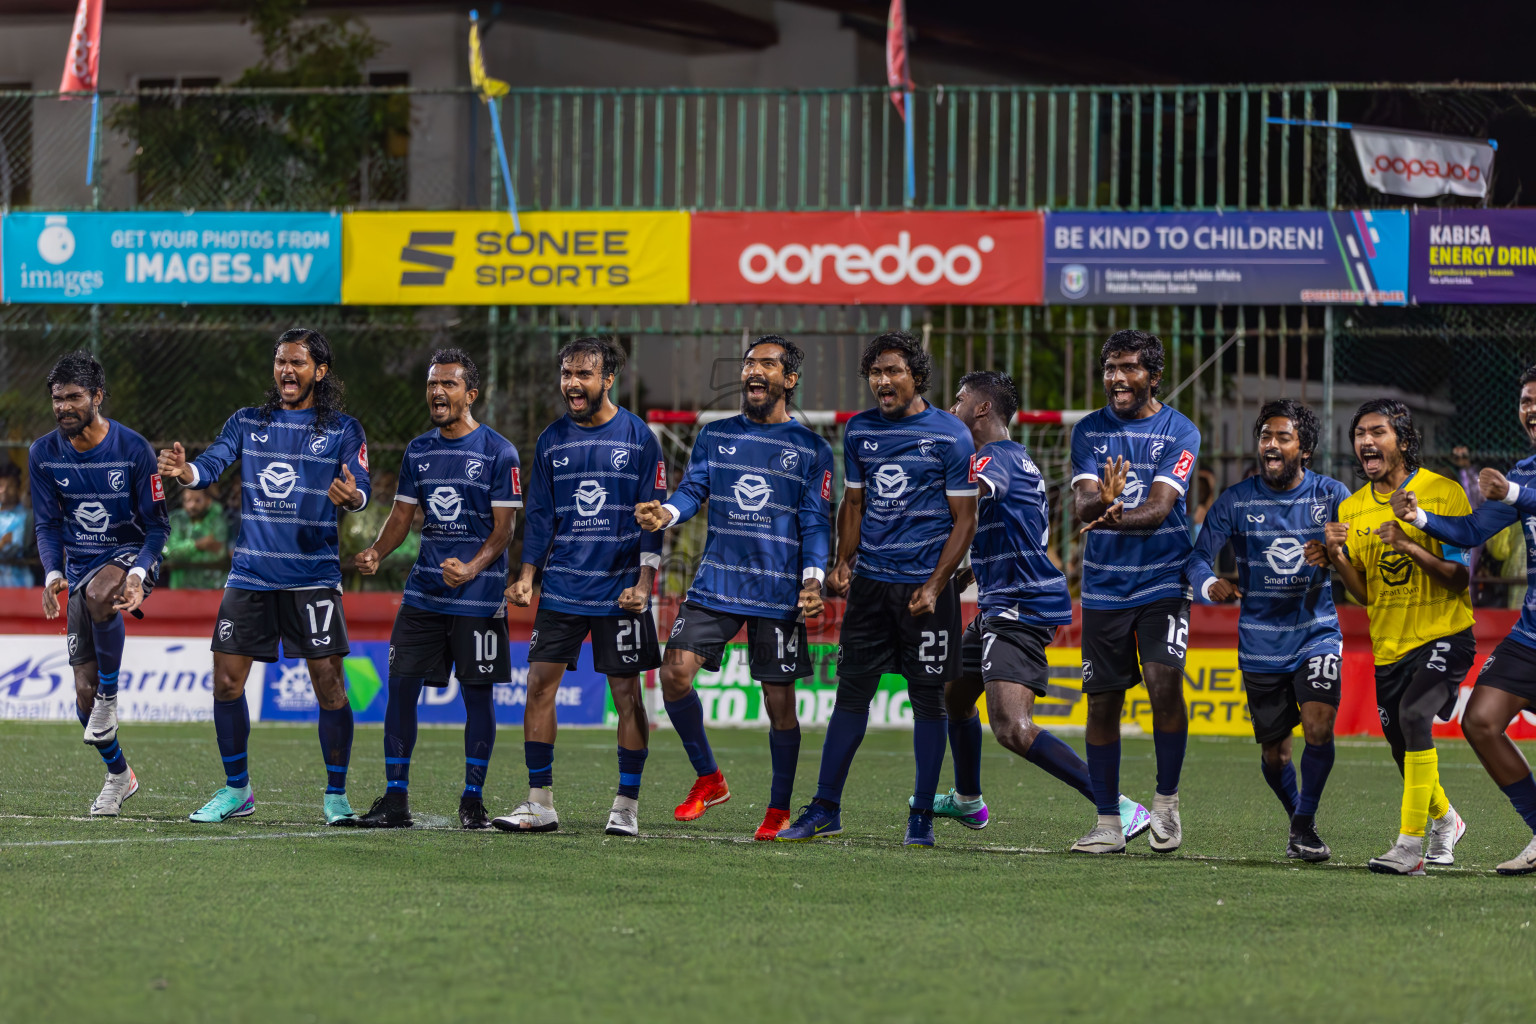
(934, 502)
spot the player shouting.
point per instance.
(452, 619)
(1021, 598)
(301, 459)
(908, 515)
(766, 482)
(1415, 592)
(99, 513)
(592, 467)
(1288, 639)
(1506, 685)
(1131, 464)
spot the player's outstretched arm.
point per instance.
(396, 528)
(850, 514)
(1485, 522)
(962, 509)
(504, 521)
(1449, 573)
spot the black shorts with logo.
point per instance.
(1275, 698)
(433, 646)
(777, 649)
(309, 623)
(1445, 661)
(622, 645)
(1007, 651)
(879, 635)
(82, 644)
(1511, 668)
(1118, 641)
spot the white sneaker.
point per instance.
(1444, 833)
(1106, 837)
(1166, 833)
(1405, 858)
(1523, 863)
(623, 819)
(528, 817)
(102, 727)
(117, 789)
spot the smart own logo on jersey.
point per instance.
(446, 503)
(93, 517)
(891, 480)
(277, 479)
(591, 497)
(116, 479)
(752, 492)
(1395, 568)
(1285, 555)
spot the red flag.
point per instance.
(896, 74)
(84, 54)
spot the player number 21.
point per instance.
(627, 629)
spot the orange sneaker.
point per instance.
(707, 791)
(775, 821)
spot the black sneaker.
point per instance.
(1305, 844)
(472, 813)
(392, 810)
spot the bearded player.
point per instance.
(101, 525)
(302, 460)
(766, 482)
(1414, 589)
(1288, 639)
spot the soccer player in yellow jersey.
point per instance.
(1415, 591)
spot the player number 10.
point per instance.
(485, 645)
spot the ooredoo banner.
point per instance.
(1419, 165)
(1473, 256)
(858, 257)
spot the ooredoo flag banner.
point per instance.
(84, 55)
(855, 257)
(1418, 165)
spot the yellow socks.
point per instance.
(1421, 790)
(1439, 803)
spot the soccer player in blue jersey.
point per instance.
(1021, 598)
(99, 512)
(452, 622)
(1288, 639)
(907, 518)
(592, 467)
(301, 459)
(1506, 686)
(766, 483)
(1131, 464)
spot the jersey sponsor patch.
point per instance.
(1184, 465)
(978, 463)
(661, 476)
(157, 487)
(826, 485)
(517, 482)
(362, 456)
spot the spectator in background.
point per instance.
(1508, 547)
(15, 529)
(360, 529)
(1466, 476)
(229, 494)
(197, 552)
(1207, 497)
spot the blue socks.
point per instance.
(112, 753)
(1316, 763)
(928, 739)
(1104, 775)
(336, 746)
(631, 764)
(400, 731)
(1522, 794)
(1056, 758)
(1170, 759)
(687, 716)
(108, 638)
(965, 744)
(1281, 779)
(232, 725)
(479, 737)
(845, 731)
(784, 748)
(540, 759)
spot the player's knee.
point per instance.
(1317, 731)
(677, 683)
(927, 703)
(85, 685)
(1275, 754)
(227, 686)
(780, 704)
(1017, 734)
(99, 595)
(1480, 726)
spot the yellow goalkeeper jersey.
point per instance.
(1407, 609)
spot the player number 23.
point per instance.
(930, 640)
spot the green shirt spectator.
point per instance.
(197, 552)
(15, 529)
(360, 529)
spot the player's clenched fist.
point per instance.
(172, 463)
(811, 602)
(1224, 590)
(456, 573)
(520, 592)
(651, 516)
(343, 490)
(1405, 505)
(839, 579)
(924, 599)
(634, 599)
(1315, 554)
(367, 561)
(1493, 485)
(1335, 536)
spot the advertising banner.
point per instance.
(1420, 165)
(976, 258)
(1345, 257)
(1473, 256)
(411, 259)
(208, 258)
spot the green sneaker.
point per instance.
(338, 811)
(226, 803)
(970, 813)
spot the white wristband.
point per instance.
(671, 510)
(813, 573)
(1205, 588)
(138, 571)
(1514, 492)
(1420, 518)
(55, 575)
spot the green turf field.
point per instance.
(277, 918)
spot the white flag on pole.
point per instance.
(1420, 165)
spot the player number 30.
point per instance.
(1323, 671)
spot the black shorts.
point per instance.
(82, 643)
(433, 646)
(879, 635)
(1118, 641)
(777, 649)
(622, 645)
(309, 622)
(1275, 698)
(1006, 651)
(1511, 668)
(1446, 661)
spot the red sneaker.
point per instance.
(776, 820)
(707, 791)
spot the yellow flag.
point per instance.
(487, 86)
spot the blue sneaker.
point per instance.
(1134, 818)
(970, 813)
(815, 822)
(919, 830)
(226, 803)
